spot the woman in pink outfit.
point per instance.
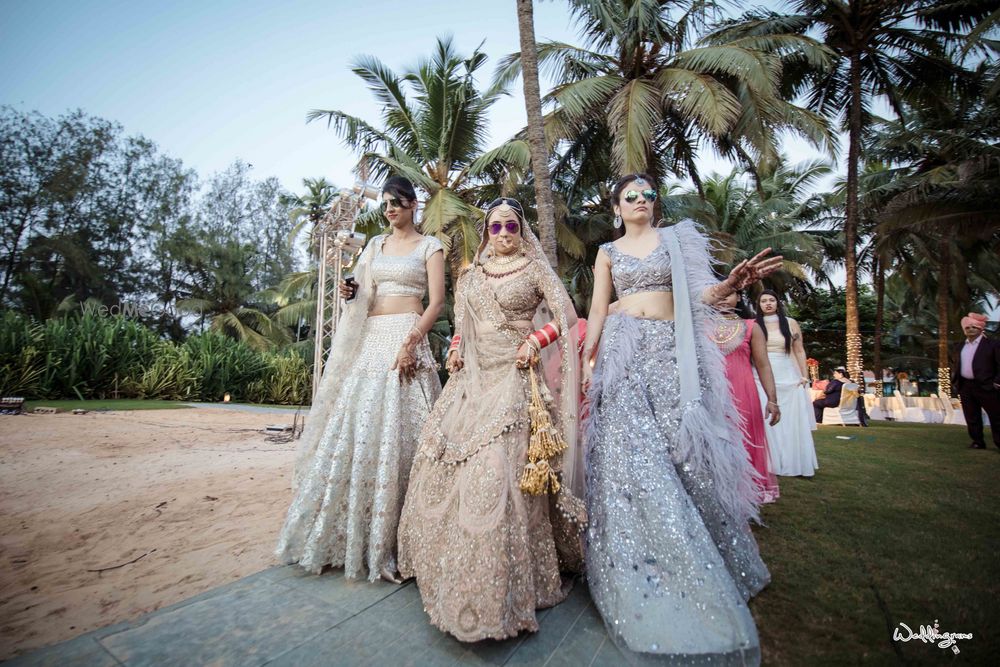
(745, 349)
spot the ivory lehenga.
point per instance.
(671, 561)
(485, 554)
(357, 447)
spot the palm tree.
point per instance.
(219, 288)
(877, 184)
(945, 195)
(889, 48)
(308, 209)
(642, 88)
(536, 131)
(435, 137)
(744, 219)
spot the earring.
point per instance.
(618, 222)
(489, 251)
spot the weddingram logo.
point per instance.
(930, 635)
(130, 309)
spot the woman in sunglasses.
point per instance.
(378, 387)
(670, 558)
(484, 546)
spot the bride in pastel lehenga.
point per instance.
(486, 527)
(378, 386)
(671, 561)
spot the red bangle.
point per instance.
(546, 335)
(455, 341)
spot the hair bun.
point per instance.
(401, 187)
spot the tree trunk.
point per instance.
(12, 258)
(879, 319)
(943, 294)
(536, 131)
(853, 337)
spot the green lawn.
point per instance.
(900, 524)
(130, 404)
(110, 404)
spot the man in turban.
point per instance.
(976, 377)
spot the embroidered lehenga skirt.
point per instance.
(484, 554)
(668, 567)
(347, 506)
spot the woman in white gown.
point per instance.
(791, 443)
(378, 386)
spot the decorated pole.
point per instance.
(339, 247)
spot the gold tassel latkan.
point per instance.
(545, 443)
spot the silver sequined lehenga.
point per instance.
(670, 558)
(358, 445)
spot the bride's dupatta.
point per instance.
(485, 399)
(489, 397)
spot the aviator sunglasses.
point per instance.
(393, 202)
(632, 196)
(512, 227)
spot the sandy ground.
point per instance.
(196, 495)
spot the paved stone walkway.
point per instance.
(239, 407)
(286, 617)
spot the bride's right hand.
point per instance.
(454, 362)
(586, 376)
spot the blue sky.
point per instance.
(218, 80)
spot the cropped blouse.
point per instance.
(519, 297)
(405, 275)
(632, 275)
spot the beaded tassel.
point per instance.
(546, 442)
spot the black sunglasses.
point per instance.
(393, 202)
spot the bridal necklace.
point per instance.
(503, 274)
(503, 260)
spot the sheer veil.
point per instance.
(560, 363)
(343, 350)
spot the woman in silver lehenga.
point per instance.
(378, 386)
(484, 541)
(670, 558)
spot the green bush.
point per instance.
(92, 357)
(22, 364)
(172, 376)
(286, 381)
(222, 365)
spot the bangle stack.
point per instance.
(543, 337)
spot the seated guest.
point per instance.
(888, 382)
(831, 395)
